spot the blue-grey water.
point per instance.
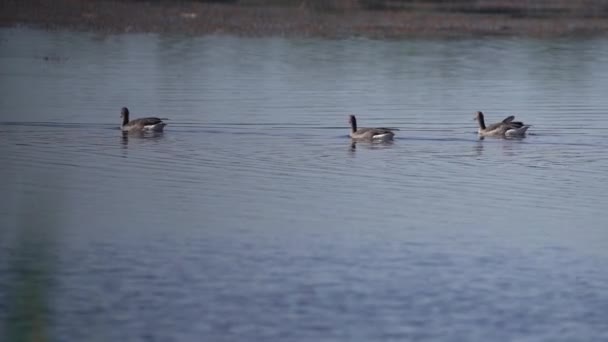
(254, 218)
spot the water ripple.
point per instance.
(254, 216)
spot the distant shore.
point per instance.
(303, 20)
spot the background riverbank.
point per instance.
(334, 19)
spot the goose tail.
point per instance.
(517, 132)
(383, 136)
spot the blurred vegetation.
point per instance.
(31, 257)
(516, 8)
(319, 18)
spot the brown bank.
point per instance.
(318, 18)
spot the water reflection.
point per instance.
(370, 145)
(478, 148)
(125, 139)
(509, 147)
(125, 136)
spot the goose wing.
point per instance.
(382, 133)
(516, 124)
(373, 133)
(506, 123)
(150, 121)
(381, 130)
(508, 119)
(512, 124)
(496, 126)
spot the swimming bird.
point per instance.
(505, 128)
(372, 134)
(151, 124)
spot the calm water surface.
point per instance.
(254, 218)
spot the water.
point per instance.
(254, 218)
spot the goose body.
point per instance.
(505, 128)
(371, 134)
(149, 124)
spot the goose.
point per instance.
(505, 128)
(375, 134)
(143, 124)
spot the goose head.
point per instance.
(353, 122)
(124, 114)
(479, 118)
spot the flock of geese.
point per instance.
(507, 128)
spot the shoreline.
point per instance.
(196, 18)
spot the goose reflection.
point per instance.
(478, 148)
(137, 135)
(370, 145)
(508, 147)
(124, 138)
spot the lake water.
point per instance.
(254, 218)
